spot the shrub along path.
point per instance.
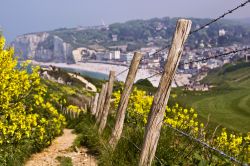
(62, 146)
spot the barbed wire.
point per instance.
(123, 71)
(199, 29)
(195, 61)
(205, 144)
(162, 49)
(207, 24)
(204, 59)
(216, 56)
(182, 132)
(127, 68)
(220, 17)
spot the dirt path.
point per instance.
(61, 147)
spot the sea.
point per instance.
(91, 74)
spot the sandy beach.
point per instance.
(181, 79)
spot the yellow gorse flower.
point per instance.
(25, 111)
(186, 120)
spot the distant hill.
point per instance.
(57, 45)
(157, 31)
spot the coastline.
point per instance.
(105, 68)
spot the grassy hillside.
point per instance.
(229, 102)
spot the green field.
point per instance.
(228, 103)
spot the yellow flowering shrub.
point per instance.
(74, 109)
(186, 120)
(25, 112)
(138, 106)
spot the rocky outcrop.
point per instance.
(43, 47)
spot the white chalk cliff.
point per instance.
(43, 47)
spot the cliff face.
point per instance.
(43, 47)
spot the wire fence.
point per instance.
(198, 140)
(204, 59)
(200, 28)
(209, 23)
(204, 144)
(135, 145)
(220, 17)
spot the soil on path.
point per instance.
(87, 83)
(61, 146)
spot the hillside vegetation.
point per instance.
(138, 33)
(31, 108)
(228, 102)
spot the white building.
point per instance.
(116, 55)
(154, 63)
(113, 55)
(222, 32)
(186, 65)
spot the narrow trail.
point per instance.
(88, 84)
(61, 147)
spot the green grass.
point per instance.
(169, 152)
(228, 103)
(64, 161)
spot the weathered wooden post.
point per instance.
(70, 114)
(78, 114)
(120, 116)
(100, 100)
(85, 107)
(102, 104)
(105, 111)
(94, 104)
(89, 102)
(156, 115)
(66, 112)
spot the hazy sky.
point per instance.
(23, 16)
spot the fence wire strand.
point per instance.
(190, 62)
(207, 24)
(205, 59)
(204, 144)
(220, 17)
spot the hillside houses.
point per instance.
(193, 60)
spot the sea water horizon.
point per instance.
(92, 74)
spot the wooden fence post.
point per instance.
(99, 100)
(85, 107)
(94, 104)
(120, 116)
(89, 102)
(102, 104)
(105, 111)
(70, 114)
(156, 115)
(66, 112)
